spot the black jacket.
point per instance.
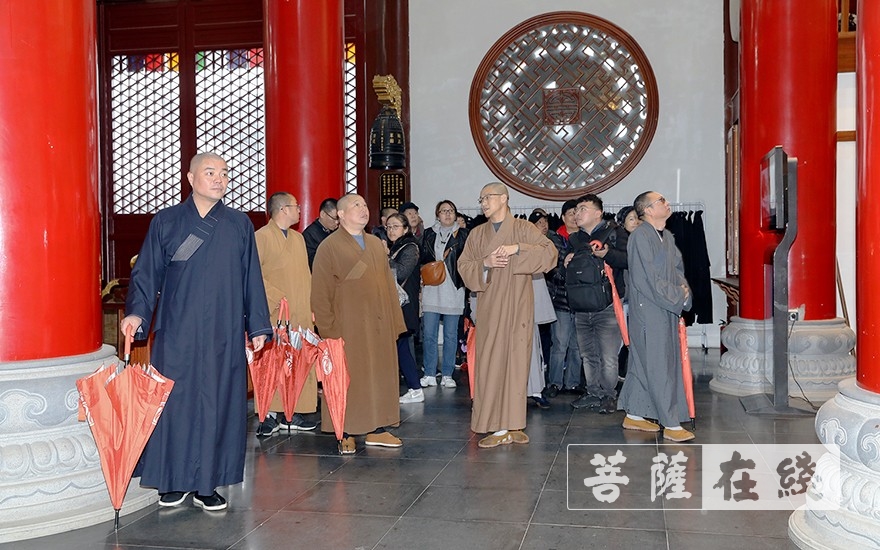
(403, 257)
(455, 246)
(616, 256)
(313, 235)
(556, 276)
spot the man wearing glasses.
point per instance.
(286, 274)
(497, 263)
(658, 292)
(326, 223)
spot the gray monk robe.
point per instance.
(505, 319)
(354, 297)
(654, 386)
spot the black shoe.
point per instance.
(211, 503)
(574, 391)
(267, 427)
(540, 402)
(608, 405)
(586, 401)
(299, 422)
(174, 498)
(551, 391)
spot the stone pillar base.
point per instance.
(50, 474)
(819, 354)
(850, 421)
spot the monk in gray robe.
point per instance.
(497, 263)
(658, 292)
(354, 297)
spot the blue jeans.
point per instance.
(431, 329)
(565, 359)
(598, 338)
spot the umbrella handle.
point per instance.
(129, 337)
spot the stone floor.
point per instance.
(441, 491)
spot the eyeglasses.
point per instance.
(652, 203)
(483, 199)
(334, 218)
(446, 211)
(390, 227)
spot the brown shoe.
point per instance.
(384, 439)
(491, 440)
(519, 436)
(640, 425)
(680, 435)
(347, 446)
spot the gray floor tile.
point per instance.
(700, 541)
(438, 534)
(493, 475)
(752, 523)
(459, 503)
(542, 537)
(389, 470)
(553, 509)
(349, 497)
(316, 531)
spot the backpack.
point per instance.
(586, 282)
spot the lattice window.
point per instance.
(350, 99)
(563, 104)
(145, 129)
(231, 120)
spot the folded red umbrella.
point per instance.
(267, 368)
(686, 373)
(122, 406)
(304, 348)
(615, 299)
(471, 351)
(332, 371)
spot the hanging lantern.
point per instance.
(387, 149)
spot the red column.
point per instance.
(788, 84)
(49, 226)
(868, 195)
(304, 103)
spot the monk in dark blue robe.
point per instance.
(199, 270)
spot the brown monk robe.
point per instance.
(498, 265)
(354, 297)
(285, 267)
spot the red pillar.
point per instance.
(788, 76)
(49, 227)
(868, 195)
(304, 104)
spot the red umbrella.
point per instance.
(304, 347)
(471, 351)
(268, 366)
(615, 298)
(333, 374)
(686, 373)
(122, 405)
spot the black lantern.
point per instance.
(387, 150)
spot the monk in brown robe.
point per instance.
(498, 261)
(285, 267)
(354, 297)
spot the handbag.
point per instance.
(434, 273)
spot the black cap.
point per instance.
(406, 206)
(535, 216)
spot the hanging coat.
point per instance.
(206, 274)
(504, 319)
(354, 298)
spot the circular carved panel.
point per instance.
(563, 104)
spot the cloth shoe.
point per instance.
(541, 402)
(174, 498)
(586, 401)
(298, 422)
(448, 382)
(519, 436)
(640, 425)
(680, 435)
(551, 391)
(492, 440)
(608, 405)
(211, 503)
(347, 446)
(413, 396)
(384, 439)
(267, 427)
(428, 381)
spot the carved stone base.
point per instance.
(849, 420)
(50, 474)
(819, 354)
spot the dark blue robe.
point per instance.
(209, 294)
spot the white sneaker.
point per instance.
(427, 381)
(413, 396)
(448, 382)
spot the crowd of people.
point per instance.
(204, 278)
